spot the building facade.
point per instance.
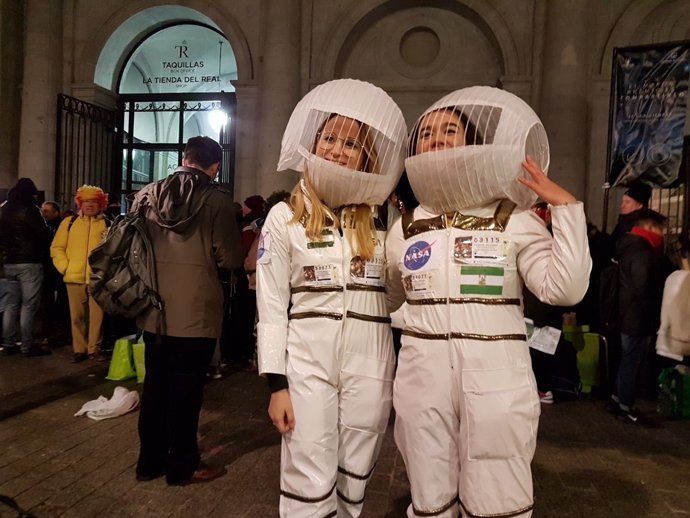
(555, 54)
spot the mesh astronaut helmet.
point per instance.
(466, 150)
(348, 138)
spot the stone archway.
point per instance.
(101, 61)
(484, 16)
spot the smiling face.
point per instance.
(439, 130)
(340, 141)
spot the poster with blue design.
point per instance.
(649, 103)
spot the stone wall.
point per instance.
(555, 54)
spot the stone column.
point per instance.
(246, 164)
(41, 84)
(11, 49)
(279, 93)
(563, 106)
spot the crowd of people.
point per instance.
(305, 287)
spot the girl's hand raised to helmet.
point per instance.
(547, 190)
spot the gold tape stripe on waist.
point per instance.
(315, 314)
(315, 289)
(438, 510)
(469, 300)
(508, 514)
(306, 499)
(364, 287)
(465, 336)
(354, 475)
(368, 318)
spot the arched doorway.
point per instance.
(174, 85)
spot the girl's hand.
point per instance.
(547, 190)
(280, 411)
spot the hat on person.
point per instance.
(640, 192)
(255, 203)
(91, 193)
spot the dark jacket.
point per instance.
(24, 235)
(642, 272)
(192, 225)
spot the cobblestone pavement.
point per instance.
(588, 464)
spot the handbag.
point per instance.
(121, 363)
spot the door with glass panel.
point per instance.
(156, 127)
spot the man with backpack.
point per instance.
(642, 270)
(190, 222)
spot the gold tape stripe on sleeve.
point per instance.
(348, 500)
(355, 475)
(438, 510)
(306, 499)
(315, 289)
(368, 318)
(508, 514)
(469, 300)
(498, 222)
(464, 336)
(365, 287)
(315, 314)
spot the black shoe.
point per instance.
(36, 351)
(148, 477)
(99, 357)
(79, 357)
(9, 350)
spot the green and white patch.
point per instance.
(481, 280)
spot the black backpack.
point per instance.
(609, 287)
(123, 269)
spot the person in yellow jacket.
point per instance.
(75, 239)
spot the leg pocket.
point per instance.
(501, 413)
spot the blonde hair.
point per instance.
(357, 220)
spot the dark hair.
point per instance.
(645, 215)
(472, 134)
(53, 204)
(203, 151)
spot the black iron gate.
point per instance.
(85, 153)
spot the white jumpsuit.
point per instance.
(335, 348)
(466, 401)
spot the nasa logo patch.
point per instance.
(417, 255)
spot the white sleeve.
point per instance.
(556, 269)
(273, 291)
(395, 293)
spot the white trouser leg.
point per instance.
(309, 454)
(427, 428)
(365, 405)
(499, 418)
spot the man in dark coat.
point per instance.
(635, 198)
(642, 272)
(191, 223)
(24, 240)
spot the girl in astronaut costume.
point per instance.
(466, 401)
(324, 337)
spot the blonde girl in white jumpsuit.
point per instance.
(465, 397)
(324, 337)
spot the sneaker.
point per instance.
(214, 373)
(9, 350)
(546, 397)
